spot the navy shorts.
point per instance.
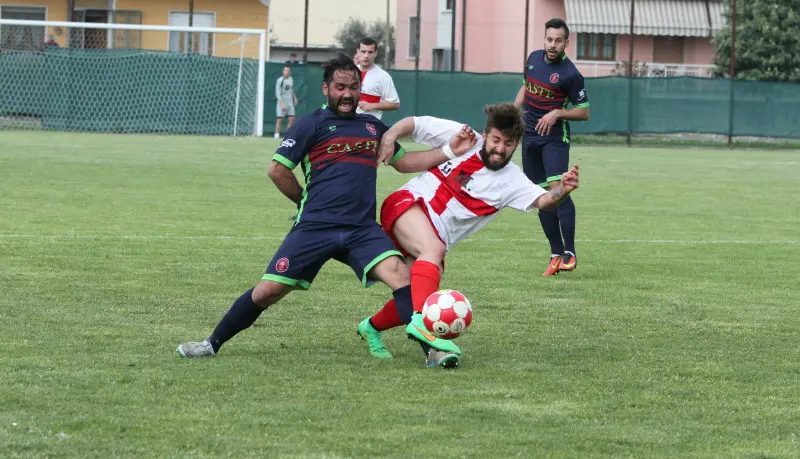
(308, 246)
(544, 159)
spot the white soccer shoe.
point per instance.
(446, 360)
(192, 350)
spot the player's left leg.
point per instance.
(289, 124)
(373, 256)
(555, 156)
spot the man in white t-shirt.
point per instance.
(449, 203)
(377, 87)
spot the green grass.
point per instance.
(677, 336)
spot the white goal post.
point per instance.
(109, 77)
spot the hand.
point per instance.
(366, 106)
(463, 141)
(569, 180)
(295, 100)
(386, 150)
(547, 122)
(283, 106)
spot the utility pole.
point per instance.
(305, 34)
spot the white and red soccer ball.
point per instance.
(447, 313)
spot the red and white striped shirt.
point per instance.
(377, 86)
(462, 195)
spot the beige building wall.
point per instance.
(325, 18)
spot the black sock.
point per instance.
(552, 230)
(403, 303)
(241, 315)
(566, 217)
(405, 309)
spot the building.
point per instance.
(670, 37)
(325, 18)
(245, 14)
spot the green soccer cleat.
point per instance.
(373, 338)
(417, 330)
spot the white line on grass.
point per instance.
(480, 240)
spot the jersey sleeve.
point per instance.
(389, 91)
(577, 92)
(399, 151)
(434, 132)
(298, 141)
(522, 192)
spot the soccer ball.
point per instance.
(447, 313)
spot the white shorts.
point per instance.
(283, 113)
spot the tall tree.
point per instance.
(356, 29)
(767, 41)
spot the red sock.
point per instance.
(387, 317)
(425, 278)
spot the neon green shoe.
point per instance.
(416, 330)
(373, 337)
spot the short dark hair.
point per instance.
(506, 118)
(368, 42)
(339, 63)
(293, 55)
(556, 23)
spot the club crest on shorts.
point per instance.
(553, 78)
(282, 265)
(372, 129)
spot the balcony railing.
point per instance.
(643, 69)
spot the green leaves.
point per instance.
(767, 41)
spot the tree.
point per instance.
(767, 41)
(356, 29)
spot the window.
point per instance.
(668, 50)
(449, 5)
(22, 38)
(597, 47)
(195, 42)
(413, 45)
(441, 59)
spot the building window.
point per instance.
(597, 47)
(449, 5)
(442, 59)
(668, 50)
(195, 42)
(413, 45)
(22, 38)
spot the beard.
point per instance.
(349, 113)
(559, 55)
(486, 157)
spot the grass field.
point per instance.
(677, 336)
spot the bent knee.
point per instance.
(268, 292)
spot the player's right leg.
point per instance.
(405, 221)
(555, 156)
(295, 264)
(534, 167)
(278, 121)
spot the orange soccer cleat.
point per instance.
(553, 267)
(568, 262)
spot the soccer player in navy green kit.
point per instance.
(551, 82)
(338, 152)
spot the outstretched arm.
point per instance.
(419, 161)
(554, 197)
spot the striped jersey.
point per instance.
(461, 195)
(339, 158)
(550, 86)
(377, 86)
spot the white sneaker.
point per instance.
(191, 350)
(437, 358)
(276, 136)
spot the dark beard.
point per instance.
(347, 115)
(492, 167)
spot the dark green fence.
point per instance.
(124, 91)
